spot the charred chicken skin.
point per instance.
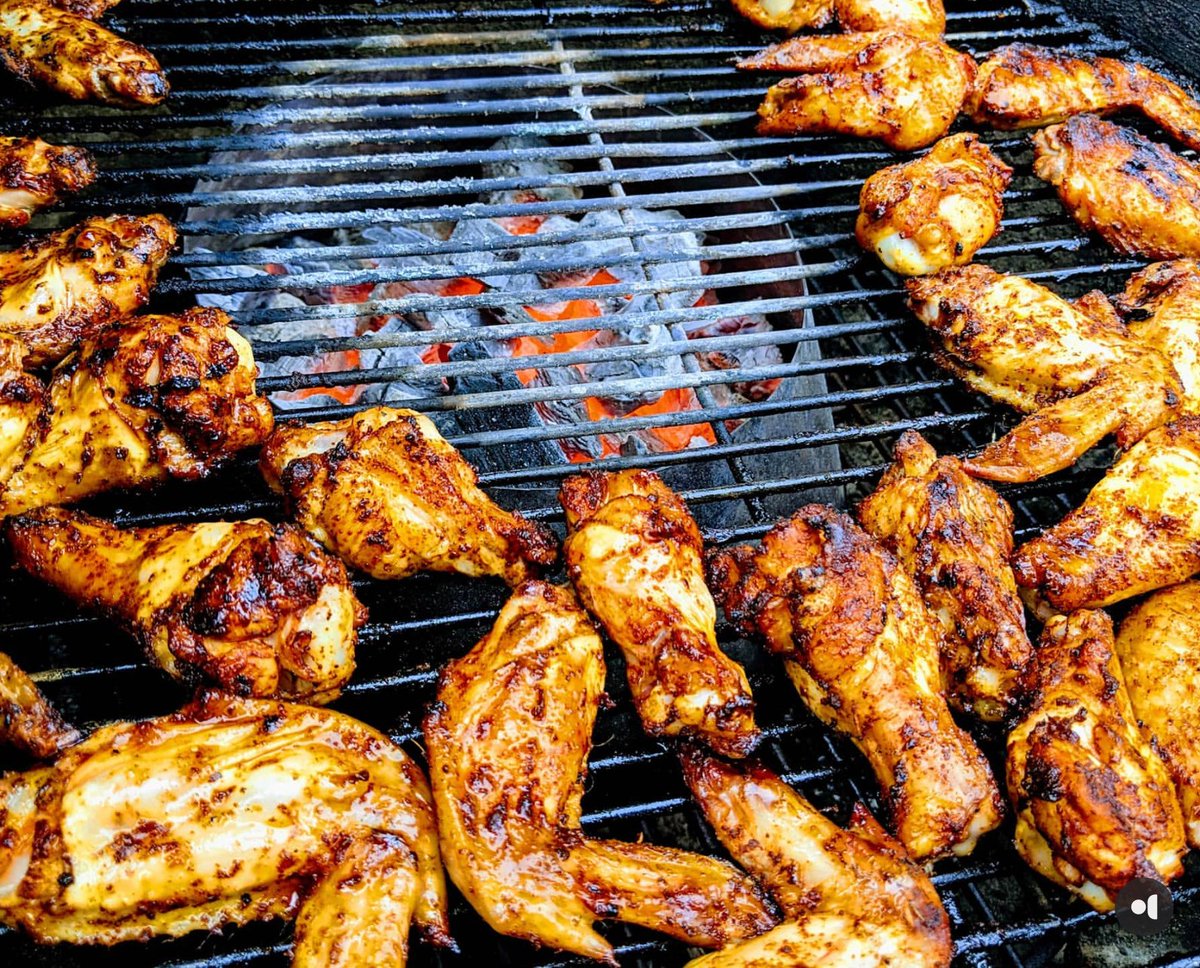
(921, 18)
(953, 534)
(852, 897)
(1161, 308)
(508, 740)
(91, 9)
(230, 811)
(1073, 367)
(387, 493)
(863, 652)
(61, 288)
(258, 608)
(1095, 805)
(636, 558)
(22, 397)
(27, 720)
(937, 211)
(34, 175)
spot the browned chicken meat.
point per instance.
(863, 652)
(1161, 307)
(92, 9)
(789, 15)
(67, 53)
(256, 607)
(636, 558)
(1095, 806)
(1138, 529)
(1073, 367)
(27, 720)
(34, 174)
(1136, 194)
(852, 897)
(61, 288)
(230, 811)
(921, 18)
(22, 397)
(905, 91)
(1022, 86)
(387, 493)
(508, 740)
(953, 534)
(937, 211)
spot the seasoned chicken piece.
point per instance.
(91, 9)
(508, 740)
(953, 534)
(921, 18)
(1161, 307)
(34, 174)
(1024, 86)
(852, 897)
(863, 653)
(153, 398)
(789, 15)
(905, 91)
(22, 397)
(230, 811)
(68, 53)
(636, 558)
(1095, 806)
(1138, 195)
(61, 288)
(27, 720)
(1138, 530)
(256, 607)
(384, 491)
(1074, 368)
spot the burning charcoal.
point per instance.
(539, 172)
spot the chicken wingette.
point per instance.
(921, 18)
(508, 740)
(937, 211)
(62, 287)
(905, 91)
(387, 493)
(852, 897)
(636, 557)
(1161, 307)
(259, 608)
(1073, 367)
(863, 652)
(953, 534)
(230, 811)
(34, 175)
(1095, 806)
(27, 720)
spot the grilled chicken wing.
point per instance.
(1095, 806)
(230, 811)
(1139, 196)
(863, 653)
(61, 288)
(34, 174)
(1074, 368)
(508, 740)
(937, 211)
(1138, 530)
(68, 53)
(1161, 307)
(27, 720)
(1022, 86)
(387, 493)
(636, 558)
(905, 91)
(852, 897)
(953, 534)
(22, 397)
(256, 607)
(789, 15)
(91, 9)
(921, 18)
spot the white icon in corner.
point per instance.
(1149, 907)
(1144, 907)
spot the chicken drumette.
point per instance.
(1161, 307)
(921, 18)
(27, 720)
(34, 174)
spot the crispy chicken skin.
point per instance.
(153, 398)
(1138, 529)
(34, 175)
(852, 897)
(22, 397)
(1023, 86)
(863, 652)
(256, 607)
(27, 720)
(953, 534)
(921, 18)
(1073, 367)
(636, 558)
(69, 54)
(1095, 806)
(508, 740)
(1136, 194)
(789, 15)
(61, 288)
(387, 493)
(230, 811)
(937, 211)
(905, 91)
(1161, 308)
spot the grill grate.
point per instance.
(325, 119)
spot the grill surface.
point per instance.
(644, 105)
